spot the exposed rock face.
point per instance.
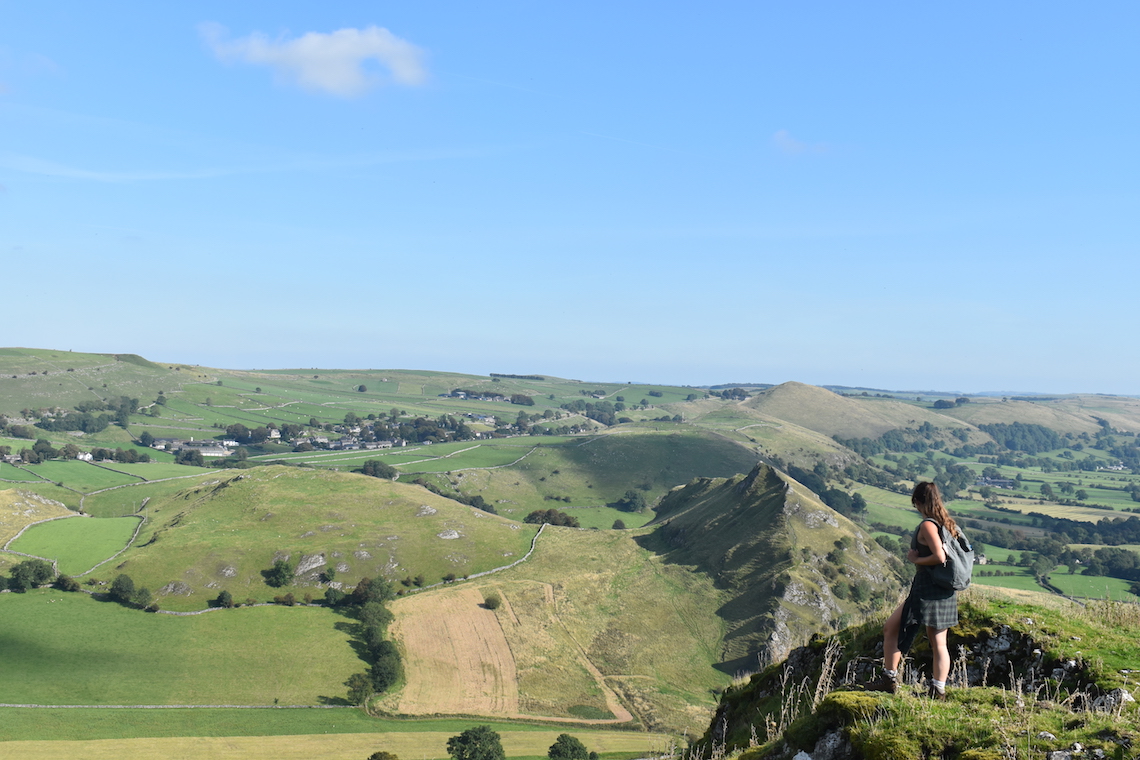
(176, 588)
(449, 535)
(309, 563)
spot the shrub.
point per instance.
(492, 601)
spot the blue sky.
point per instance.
(890, 195)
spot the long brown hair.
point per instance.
(928, 501)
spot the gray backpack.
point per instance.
(959, 566)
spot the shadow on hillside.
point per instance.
(334, 701)
(356, 633)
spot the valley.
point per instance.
(706, 534)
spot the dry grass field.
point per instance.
(419, 745)
(457, 659)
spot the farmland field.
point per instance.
(128, 657)
(1092, 586)
(519, 743)
(16, 474)
(81, 476)
(78, 543)
(157, 470)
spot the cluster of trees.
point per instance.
(600, 411)
(518, 377)
(27, 575)
(124, 591)
(1020, 436)
(551, 517)
(522, 399)
(126, 456)
(368, 604)
(378, 469)
(84, 421)
(632, 501)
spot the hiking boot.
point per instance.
(935, 694)
(884, 683)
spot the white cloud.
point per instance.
(336, 63)
(785, 143)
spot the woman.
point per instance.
(928, 604)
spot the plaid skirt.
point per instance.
(928, 605)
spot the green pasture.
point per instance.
(1023, 580)
(70, 649)
(77, 543)
(157, 470)
(15, 474)
(1092, 586)
(81, 476)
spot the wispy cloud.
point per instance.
(788, 145)
(336, 63)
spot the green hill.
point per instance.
(597, 471)
(223, 531)
(791, 565)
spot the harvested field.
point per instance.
(457, 658)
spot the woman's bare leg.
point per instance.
(891, 654)
(937, 637)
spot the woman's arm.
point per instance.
(929, 537)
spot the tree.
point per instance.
(567, 747)
(67, 583)
(280, 575)
(619, 525)
(123, 589)
(479, 743)
(383, 756)
(492, 601)
(359, 688)
(378, 469)
(362, 389)
(633, 501)
(225, 599)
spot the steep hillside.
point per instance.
(831, 414)
(791, 565)
(222, 532)
(1034, 676)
